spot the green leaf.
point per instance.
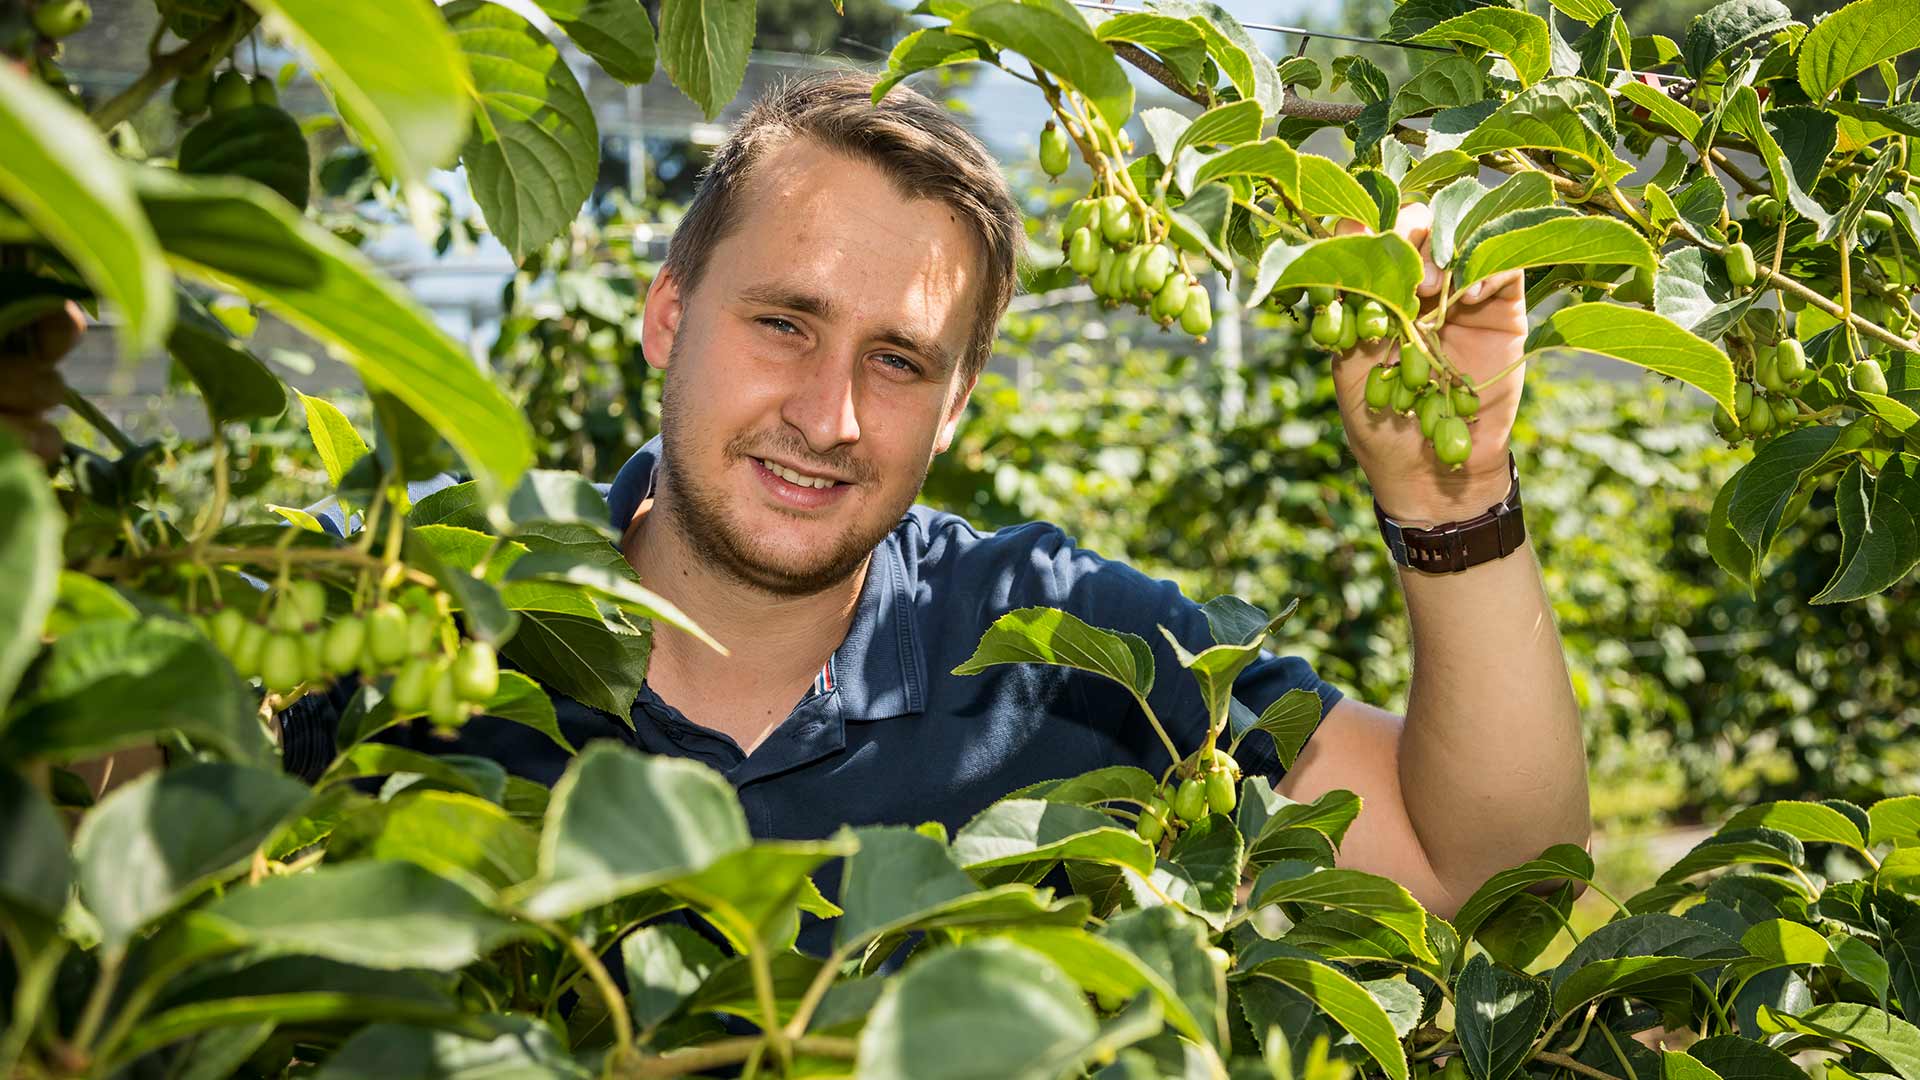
(615, 33)
(1101, 965)
(703, 45)
(525, 702)
(1660, 107)
(1113, 783)
(1735, 1057)
(896, 878)
(617, 584)
(1525, 191)
(453, 834)
(581, 657)
(1177, 42)
(753, 895)
(620, 822)
(1233, 50)
(1601, 240)
(928, 48)
(1060, 43)
(388, 915)
(1211, 853)
(987, 1009)
(1894, 820)
(1766, 847)
(517, 1046)
(1348, 1003)
(1768, 482)
(1888, 1037)
(1724, 542)
(115, 684)
(1173, 946)
(479, 776)
(1499, 1014)
(1380, 899)
(406, 104)
(1810, 822)
(1517, 35)
(30, 528)
(1811, 134)
(1879, 542)
(235, 385)
(1854, 39)
(60, 175)
(1636, 336)
(665, 964)
(1384, 267)
(1437, 168)
(159, 839)
(1230, 125)
(260, 142)
(1290, 720)
(227, 231)
(1051, 636)
(1561, 861)
(340, 446)
(1719, 30)
(1448, 82)
(1016, 831)
(1861, 963)
(534, 152)
(35, 871)
(1692, 289)
(1784, 941)
(1560, 113)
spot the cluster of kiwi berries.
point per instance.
(288, 642)
(230, 90)
(1110, 245)
(1771, 399)
(1210, 786)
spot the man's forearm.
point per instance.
(1492, 764)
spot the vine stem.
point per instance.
(103, 988)
(217, 509)
(1581, 1067)
(98, 420)
(816, 990)
(255, 555)
(609, 993)
(772, 1032)
(728, 1051)
(167, 67)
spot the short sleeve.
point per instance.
(1113, 595)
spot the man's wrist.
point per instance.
(1444, 499)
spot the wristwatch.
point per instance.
(1456, 545)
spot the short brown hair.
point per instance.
(917, 143)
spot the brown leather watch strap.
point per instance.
(1457, 545)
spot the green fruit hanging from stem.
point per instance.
(1741, 269)
(1054, 151)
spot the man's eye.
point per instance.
(899, 363)
(785, 326)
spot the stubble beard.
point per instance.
(701, 520)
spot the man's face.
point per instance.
(822, 345)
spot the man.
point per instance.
(825, 309)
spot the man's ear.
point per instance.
(959, 407)
(660, 319)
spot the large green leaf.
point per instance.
(1178, 42)
(1112, 783)
(1879, 539)
(1348, 1003)
(1637, 951)
(1726, 26)
(1888, 1037)
(235, 385)
(1811, 822)
(1174, 947)
(1290, 720)
(1894, 820)
(378, 914)
(1600, 240)
(35, 871)
(159, 839)
(1517, 35)
(620, 822)
(752, 895)
(1059, 42)
(1793, 175)
(1384, 901)
(334, 438)
(613, 580)
(897, 877)
(665, 964)
(988, 1009)
(1769, 482)
(1015, 831)
(1211, 853)
(1854, 39)
(30, 528)
(108, 685)
(1384, 267)
(453, 834)
(1740, 847)
(1051, 636)
(518, 1047)
(1662, 108)
(231, 232)
(60, 175)
(405, 101)
(615, 33)
(1640, 337)
(1498, 1013)
(582, 657)
(928, 48)
(703, 45)
(1559, 113)
(534, 152)
(1561, 861)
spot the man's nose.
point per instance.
(821, 405)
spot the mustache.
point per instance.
(843, 465)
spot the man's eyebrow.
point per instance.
(810, 303)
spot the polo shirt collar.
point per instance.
(879, 670)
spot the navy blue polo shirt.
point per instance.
(890, 735)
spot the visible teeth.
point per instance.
(792, 477)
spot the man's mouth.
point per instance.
(795, 477)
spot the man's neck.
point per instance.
(776, 644)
